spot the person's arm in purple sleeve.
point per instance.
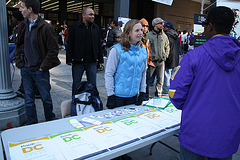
(181, 81)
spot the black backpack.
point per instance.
(86, 99)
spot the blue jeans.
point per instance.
(167, 75)
(42, 81)
(123, 101)
(77, 73)
(65, 44)
(188, 155)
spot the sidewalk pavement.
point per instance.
(61, 83)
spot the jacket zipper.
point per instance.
(134, 70)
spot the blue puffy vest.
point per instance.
(129, 71)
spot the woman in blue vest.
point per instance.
(125, 74)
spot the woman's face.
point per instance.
(136, 33)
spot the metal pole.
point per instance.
(121, 8)
(202, 5)
(6, 90)
(12, 112)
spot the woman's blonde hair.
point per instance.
(125, 38)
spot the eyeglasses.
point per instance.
(205, 23)
(145, 25)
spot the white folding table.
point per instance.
(30, 132)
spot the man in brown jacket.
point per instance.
(36, 53)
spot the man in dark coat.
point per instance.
(173, 58)
(113, 35)
(84, 48)
(36, 53)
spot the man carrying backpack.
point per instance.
(113, 35)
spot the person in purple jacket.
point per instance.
(206, 88)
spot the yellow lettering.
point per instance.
(178, 67)
(153, 116)
(37, 147)
(27, 149)
(100, 130)
(106, 129)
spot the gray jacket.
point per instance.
(159, 46)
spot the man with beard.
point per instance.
(84, 48)
(159, 49)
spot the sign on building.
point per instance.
(167, 2)
(199, 37)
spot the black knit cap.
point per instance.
(169, 25)
(18, 15)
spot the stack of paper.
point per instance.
(158, 102)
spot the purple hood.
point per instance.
(225, 51)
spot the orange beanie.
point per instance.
(144, 21)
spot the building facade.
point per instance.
(181, 12)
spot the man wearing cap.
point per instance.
(173, 58)
(120, 24)
(159, 47)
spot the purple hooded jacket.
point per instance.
(206, 86)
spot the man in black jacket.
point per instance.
(173, 59)
(114, 34)
(84, 48)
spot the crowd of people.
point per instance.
(203, 85)
(61, 32)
